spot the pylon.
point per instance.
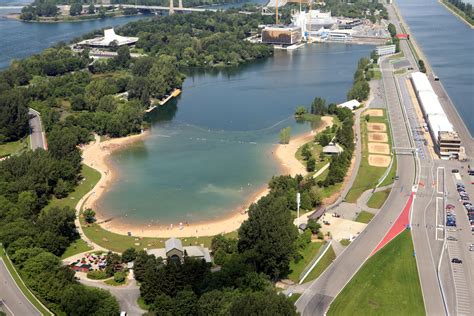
(171, 8)
(180, 4)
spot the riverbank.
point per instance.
(456, 12)
(67, 18)
(285, 153)
(96, 155)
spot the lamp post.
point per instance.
(298, 201)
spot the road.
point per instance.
(37, 138)
(126, 296)
(447, 288)
(319, 295)
(15, 303)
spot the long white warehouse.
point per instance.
(444, 136)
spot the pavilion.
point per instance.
(108, 40)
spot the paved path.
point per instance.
(126, 295)
(37, 138)
(15, 303)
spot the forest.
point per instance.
(77, 97)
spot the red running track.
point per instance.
(399, 226)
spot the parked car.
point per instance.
(465, 198)
(455, 171)
(451, 238)
(456, 260)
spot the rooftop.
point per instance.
(108, 38)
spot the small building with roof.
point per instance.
(332, 149)
(175, 250)
(108, 40)
(352, 104)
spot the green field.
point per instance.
(311, 250)
(90, 178)
(325, 261)
(21, 285)
(119, 243)
(378, 199)
(293, 298)
(387, 284)
(77, 246)
(367, 176)
(364, 217)
(12, 148)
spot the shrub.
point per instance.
(119, 277)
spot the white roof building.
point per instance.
(352, 104)
(333, 149)
(109, 38)
(174, 247)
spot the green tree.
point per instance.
(262, 303)
(285, 135)
(311, 165)
(301, 110)
(91, 9)
(129, 255)
(318, 107)
(89, 216)
(75, 9)
(13, 115)
(313, 226)
(268, 236)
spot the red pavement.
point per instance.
(399, 226)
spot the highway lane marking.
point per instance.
(5, 304)
(437, 216)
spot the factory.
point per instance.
(281, 35)
(445, 138)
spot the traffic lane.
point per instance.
(36, 130)
(14, 299)
(318, 297)
(427, 247)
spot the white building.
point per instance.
(312, 21)
(108, 39)
(175, 251)
(352, 104)
(385, 50)
(448, 143)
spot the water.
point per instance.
(448, 43)
(212, 149)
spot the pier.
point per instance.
(173, 94)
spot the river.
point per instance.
(448, 43)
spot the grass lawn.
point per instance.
(325, 261)
(345, 242)
(75, 247)
(141, 303)
(391, 174)
(21, 285)
(90, 178)
(316, 150)
(294, 297)
(378, 199)
(387, 284)
(16, 147)
(364, 217)
(367, 176)
(119, 243)
(311, 250)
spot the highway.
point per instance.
(37, 138)
(319, 295)
(447, 288)
(14, 302)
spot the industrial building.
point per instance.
(446, 139)
(108, 40)
(385, 50)
(281, 35)
(312, 21)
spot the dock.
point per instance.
(174, 94)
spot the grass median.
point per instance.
(387, 284)
(364, 217)
(308, 254)
(368, 176)
(322, 265)
(378, 199)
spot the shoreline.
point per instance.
(16, 17)
(455, 13)
(96, 155)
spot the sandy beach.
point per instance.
(286, 153)
(96, 156)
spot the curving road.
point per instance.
(37, 138)
(12, 299)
